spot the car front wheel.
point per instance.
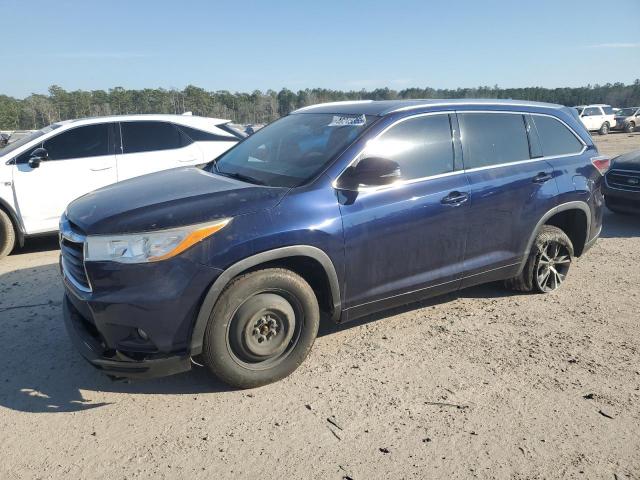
(630, 127)
(7, 234)
(261, 328)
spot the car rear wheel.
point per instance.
(630, 127)
(604, 129)
(548, 264)
(7, 235)
(261, 328)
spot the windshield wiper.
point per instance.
(240, 176)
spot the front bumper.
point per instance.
(112, 362)
(162, 299)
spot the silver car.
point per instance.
(627, 119)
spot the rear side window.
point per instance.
(556, 138)
(422, 146)
(608, 110)
(150, 136)
(493, 139)
(81, 142)
(202, 136)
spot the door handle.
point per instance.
(542, 177)
(100, 169)
(455, 198)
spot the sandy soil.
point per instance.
(483, 384)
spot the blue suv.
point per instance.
(334, 211)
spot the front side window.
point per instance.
(590, 112)
(493, 139)
(140, 137)
(421, 146)
(556, 139)
(292, 150)
(80, 142)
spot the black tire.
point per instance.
(544, 258)
(604, 129)
(629, 127)
(7, 235)
(271, 305)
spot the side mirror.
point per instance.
(370, 172)
(37, 156)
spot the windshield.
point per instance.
(627, 112)
(26, 139)
(579, 110)
(292, 150)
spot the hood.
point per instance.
(168, 199)
(628, 161)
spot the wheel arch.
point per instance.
(577, 232)
(6, 208)
(289, 257)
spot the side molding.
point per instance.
(577, 205)
(234, 270)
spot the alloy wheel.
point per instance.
(553, 266)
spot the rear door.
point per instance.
(81, 159)
(152, 146)
(592, 118)
(512, 187)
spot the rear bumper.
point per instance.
(113, 362)
(624, 200)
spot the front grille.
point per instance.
(624, 180)
(72, 250)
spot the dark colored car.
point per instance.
(335, 211)
(622, 184)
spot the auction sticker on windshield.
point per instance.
(348, 120)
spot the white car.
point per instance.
(597, 117)
(43, 172)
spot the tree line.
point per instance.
(37, 110)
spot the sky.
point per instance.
(246, 45)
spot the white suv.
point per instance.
(598, 117)
(42, 172)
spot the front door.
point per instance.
(80, 160)
(408, 237)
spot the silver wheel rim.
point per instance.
(553, 266)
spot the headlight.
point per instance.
(148, 246)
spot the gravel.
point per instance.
(484, 383)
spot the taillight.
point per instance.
(601, 163)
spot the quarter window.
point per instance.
(493, 139)
(556, 139)
(421, 146)
(81, 142)
(150, 136)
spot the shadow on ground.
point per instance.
(616, 225)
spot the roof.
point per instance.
(384, 107)
(187, 120)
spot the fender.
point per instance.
(270, 255)
(559, 208)
(14, 219)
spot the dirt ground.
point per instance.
(484, 383)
